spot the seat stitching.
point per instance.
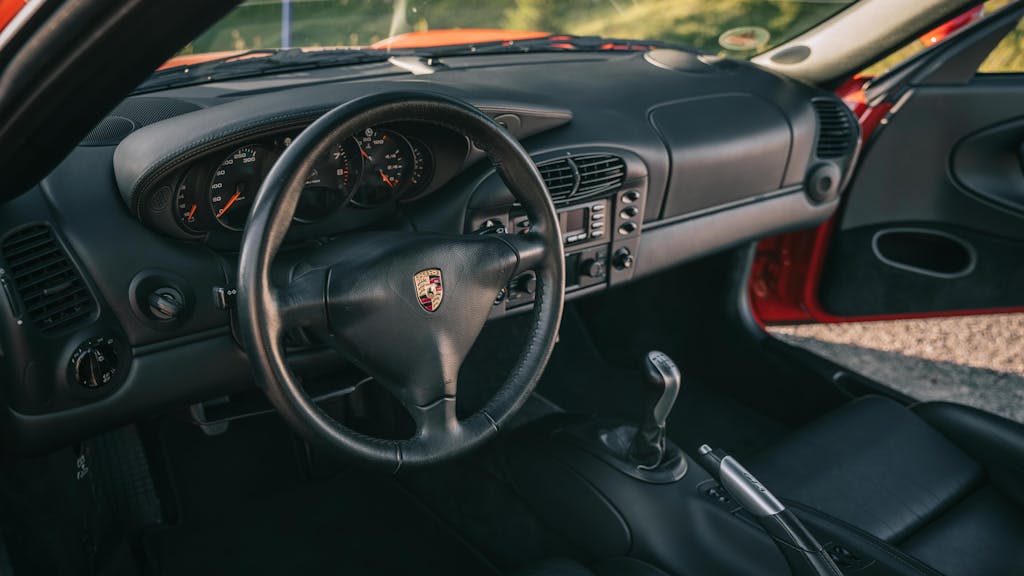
(869, 539)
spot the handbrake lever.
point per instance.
(804, 554)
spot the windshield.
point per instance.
(737, 28)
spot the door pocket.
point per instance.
(924, 251)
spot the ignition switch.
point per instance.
(166, 303)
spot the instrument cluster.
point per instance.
(376, 167)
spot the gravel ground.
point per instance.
(974, 360)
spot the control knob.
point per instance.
(623, 259)
(94, 363)
(593, 268)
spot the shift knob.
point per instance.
(662, 382)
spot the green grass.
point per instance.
(698, 23)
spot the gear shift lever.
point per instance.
(663, 380)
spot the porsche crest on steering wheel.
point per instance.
(429, 288)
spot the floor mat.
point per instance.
(351, 527)
(247, 507)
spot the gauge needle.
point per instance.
(384, 177)
(230, 202)
(192, 212)
(364, 154)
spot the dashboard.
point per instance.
(117, 271)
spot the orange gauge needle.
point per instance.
(364, 154)
(384, 177)
(228, 205)
(192, 212)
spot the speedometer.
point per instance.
(234, 186)
(386, 166)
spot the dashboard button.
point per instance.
(627, 228)
(630, 196)
(629, 212)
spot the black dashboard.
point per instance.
(117, 271)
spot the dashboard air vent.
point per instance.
(560, 177)
(52, 291)
(835, 135)
(599, 173)
(578, 177)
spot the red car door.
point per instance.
(932, 222)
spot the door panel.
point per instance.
(932, 223)
(906, 175)
(942, 167)
(930, 226)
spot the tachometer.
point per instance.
(386, 166)
(330, 182)
(234, 186)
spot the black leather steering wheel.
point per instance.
(404, 306)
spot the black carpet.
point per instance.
(246, 506)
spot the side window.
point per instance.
(1008, 56)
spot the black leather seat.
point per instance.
(936, 488)
(614, 567)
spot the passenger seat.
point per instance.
(937, 488)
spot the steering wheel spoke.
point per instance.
(437, 418)
(529, 247)
(301, 303)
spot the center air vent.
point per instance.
(577, 177)
(835, 132)
(51, 290)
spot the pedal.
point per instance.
(120, 471)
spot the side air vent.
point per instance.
(835, 135)
(575, 178)
(53, 293)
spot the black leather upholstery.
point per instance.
(620, 566)
(940, 483)
(555, 567)
(996, 443)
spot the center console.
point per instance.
(615, 489)
(601, 203)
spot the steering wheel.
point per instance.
(404, 306)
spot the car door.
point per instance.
(932, 222)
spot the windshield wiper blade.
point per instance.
(554, 43)
(256, 63)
